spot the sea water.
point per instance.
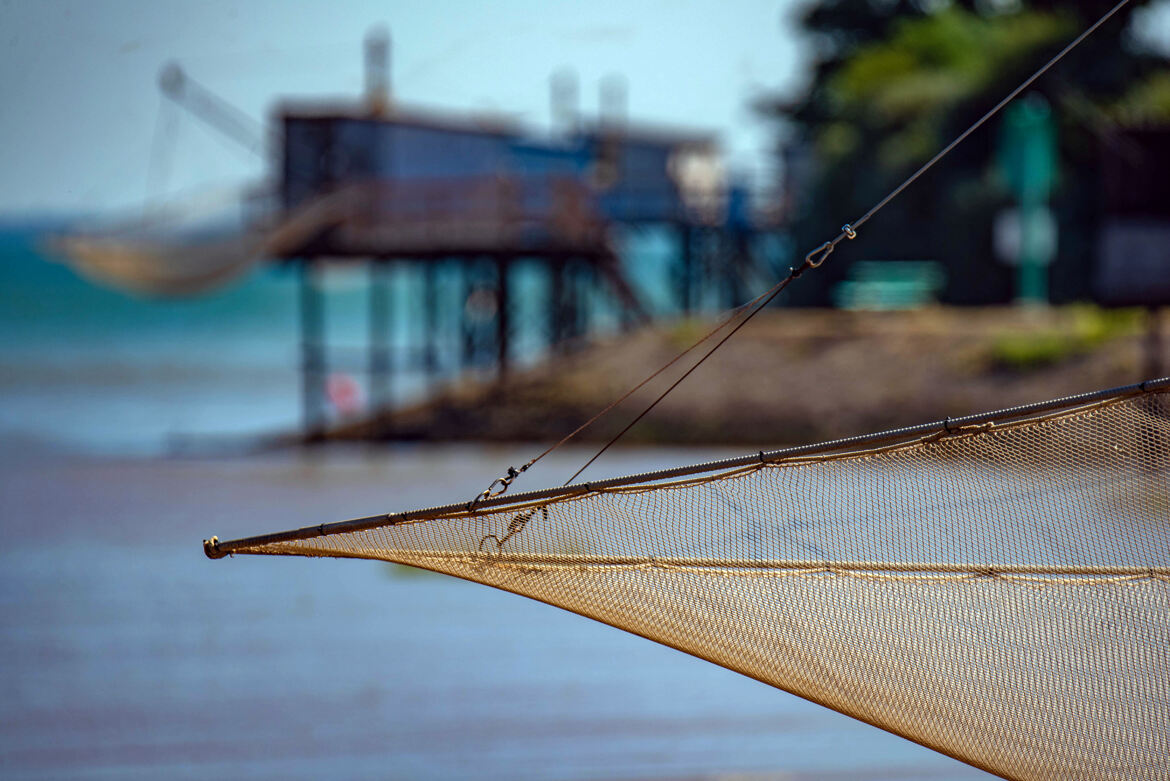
(86, 366)
(125, 653)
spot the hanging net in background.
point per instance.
(998, 590)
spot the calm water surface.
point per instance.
(127, 654)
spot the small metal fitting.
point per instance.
(820, 253)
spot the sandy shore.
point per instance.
(795, 376)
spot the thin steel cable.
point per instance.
(812, 260)
(710, 469)
(775, 291)
(512, 473)
(995, 110)
(849, 230)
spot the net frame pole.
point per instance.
(215, 549)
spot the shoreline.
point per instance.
(790, 377)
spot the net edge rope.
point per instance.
(840, 448)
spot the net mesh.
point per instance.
(999, 593)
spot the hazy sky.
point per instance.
(81, 113)
(78, 80)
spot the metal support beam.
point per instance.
(466, 334)
(379, 336)
(503, 324)
(556, 305)
(571, 302)
(686, 280)
(431, 316)
(582, 285)
(313, 362)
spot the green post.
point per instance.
(1032, 272)
(1028, 162)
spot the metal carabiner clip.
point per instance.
(820, 253)
(491, 490)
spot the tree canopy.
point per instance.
(893, 81)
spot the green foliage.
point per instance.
(896, 80)
(1148, 101)
(903, 88)
(1086, 329)
(932, 63)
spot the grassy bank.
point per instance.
(794, 376)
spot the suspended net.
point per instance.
(146, 259)
(996, 587)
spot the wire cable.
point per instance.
(811, 261)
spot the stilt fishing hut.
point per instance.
(458, 202)
(470, 197)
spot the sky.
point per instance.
(84, 129)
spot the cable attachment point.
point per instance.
(502, 482)
(847, 229)
(818, 255)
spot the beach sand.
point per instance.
(795, 376)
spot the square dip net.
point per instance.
(996, 588)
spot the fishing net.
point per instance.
(999, 591)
